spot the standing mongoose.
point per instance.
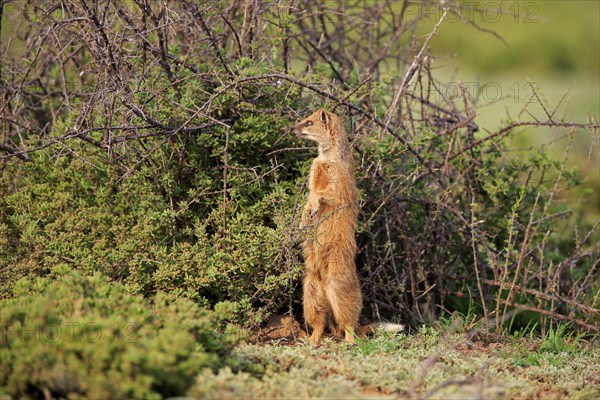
(331, 284)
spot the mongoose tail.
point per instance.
(370, 329)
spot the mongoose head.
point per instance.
(322, 127)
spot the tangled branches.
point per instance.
(162, 85)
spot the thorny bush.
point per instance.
(150, 141)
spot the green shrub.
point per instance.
(82, 337)
(71, 213)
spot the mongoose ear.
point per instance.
(325, 119)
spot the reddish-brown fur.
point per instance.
(331, 285)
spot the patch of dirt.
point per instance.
(280, 328)
(546, 392)
(375, 393)
(478, 347)
(595, 381)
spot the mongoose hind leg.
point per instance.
(315, 304)
(343, 294)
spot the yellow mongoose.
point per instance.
(330, 281)
(331, 284)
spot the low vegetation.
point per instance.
(429, 364)
(83, 337)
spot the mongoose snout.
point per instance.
(300, 128)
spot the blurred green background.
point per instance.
(552, 44)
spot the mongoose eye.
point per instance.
(308, 123)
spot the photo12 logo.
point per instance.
(65, 331)
(12, 10)
(485, 11)
(486, 92)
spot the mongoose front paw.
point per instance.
(308, 216)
